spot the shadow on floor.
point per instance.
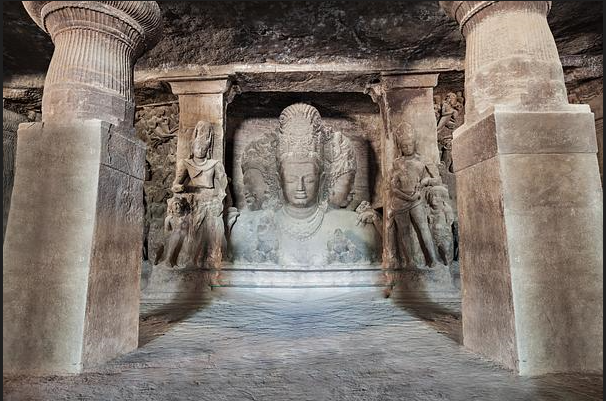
(190, 292)
(437, 302)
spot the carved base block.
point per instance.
(530, 223)
(432, 285)
(72, 252)
(167, 284)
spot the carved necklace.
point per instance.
(301, 228)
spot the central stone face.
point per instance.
(297, 223)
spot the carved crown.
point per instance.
(299, 135)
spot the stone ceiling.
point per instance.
(297, 32)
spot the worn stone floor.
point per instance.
(246, 345)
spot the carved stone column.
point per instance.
(202, 99)
(10, 123)
(406, 105)
(73, 242)
(529, 197)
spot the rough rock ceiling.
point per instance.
(299, 32)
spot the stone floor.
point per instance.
(356, 345)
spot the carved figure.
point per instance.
(342, 249)
(303, 220)
(258, 170)
(367, 215)
(447, 122)
(410, 174)
(300, 167)
(176, 228)
(441, 218)
(202, 180)
(266, 245)
(341, 170)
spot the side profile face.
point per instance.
(200, 147)
(341, 192)
(255, 188)
(300, 183)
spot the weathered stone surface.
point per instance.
(516, 219)
(10, 124)
(72, 252)
(250, 32)
(354, 346)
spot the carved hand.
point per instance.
(177, 188)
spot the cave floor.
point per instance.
(244, 345)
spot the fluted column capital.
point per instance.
(96, 46)
(467, 13)
(139, 22)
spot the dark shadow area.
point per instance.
(410, 290)
(190, 291)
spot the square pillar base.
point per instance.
(530, 221)
(72, 253)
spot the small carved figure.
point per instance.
(409, 176)
(367, 215)
(342, 249)
(447, 122)
(203, 180)
(266, 242)
(441, 218)
(176, 228)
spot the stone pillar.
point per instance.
(202, 99)
(10, 123)
(406, 106)
(529, 197)
(73, 242)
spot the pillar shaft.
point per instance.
(529, 198)
(73, 242)
(202, 100)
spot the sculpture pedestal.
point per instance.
(174, 285)
(72, 252)
(530, 223)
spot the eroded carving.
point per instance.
(409, 176)
(200, 186)
(448, 116)
(441, 218)
(261, 187)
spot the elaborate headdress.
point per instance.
(342, 157)
(299, 134)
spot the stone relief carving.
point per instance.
(200, 186)
(441, 219)
(367, 215)
(449, 113)
(314, 165)
(176, 228)
(341, 169)
(342, 249)
(409, 177)
(261, 187)
(152, 122)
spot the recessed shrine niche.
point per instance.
(304, 167)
